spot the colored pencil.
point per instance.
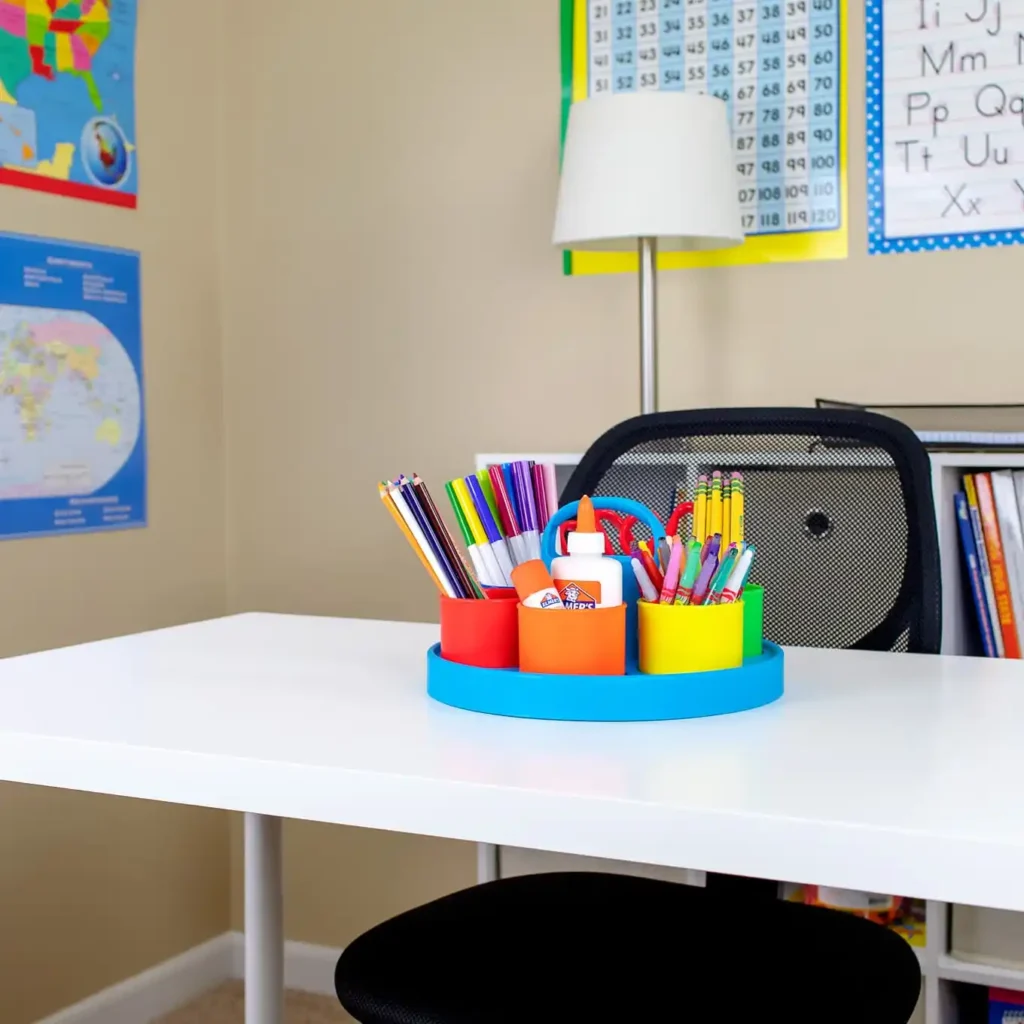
(418, 543)
(407, 493)
(441, 530)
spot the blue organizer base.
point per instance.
(633, 697)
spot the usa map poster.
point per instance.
(67, 98)
(779, 65)
(72, 425)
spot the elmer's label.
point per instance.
(579, 593)
(550, 600)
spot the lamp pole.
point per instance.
(648, 248)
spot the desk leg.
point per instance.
(264, 931)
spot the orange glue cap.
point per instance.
(586, 539)
(585, 521)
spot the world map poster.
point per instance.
(72, 426)
(67, 98)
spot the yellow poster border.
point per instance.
(782, 248)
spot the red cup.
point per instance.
(481, 633)
(500, 593)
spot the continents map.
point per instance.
(72, 444)
(67, 98)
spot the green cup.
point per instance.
(753, 619)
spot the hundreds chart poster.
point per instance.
(779, 65)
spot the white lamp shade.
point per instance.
(648, 164)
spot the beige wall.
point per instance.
(95, 889)
(392, 303)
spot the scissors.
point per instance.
(621, 527)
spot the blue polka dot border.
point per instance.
(877, 240)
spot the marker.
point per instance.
(671, 582)
(551, 488)
(647, 588)
(484, 479)
(690, 573)
(540, 497)
(664, 553)
(738, 576)
(739, 524)
(527, 509)
(721, 577)
(715, 504)
(479, 536)
(509, 519)
(700, 510)
(700, 588)
(494, 537)
(650, 565)
(467, 539)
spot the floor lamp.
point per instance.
(642, 168)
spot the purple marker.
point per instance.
(524, 490)
(700, 588)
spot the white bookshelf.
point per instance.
(941, 969)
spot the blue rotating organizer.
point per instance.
(632, 697)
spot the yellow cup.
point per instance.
(690, 638)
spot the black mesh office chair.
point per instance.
(839, 503)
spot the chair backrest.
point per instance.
(838, 502)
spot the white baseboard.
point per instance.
(156, 991)
(307, 968)
(165, 987)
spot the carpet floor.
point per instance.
(226, 1005)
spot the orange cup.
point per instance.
(573, 642)
(481, 633)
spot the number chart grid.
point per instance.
(778, 64)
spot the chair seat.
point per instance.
(593, 947)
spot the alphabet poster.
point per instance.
(945, 119)
(779, 65)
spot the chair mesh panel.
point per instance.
(835, 516)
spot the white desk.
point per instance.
(893, 773)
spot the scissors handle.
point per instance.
(625, 506)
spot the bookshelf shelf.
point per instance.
(941, 969)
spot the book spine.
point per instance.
(997, 564)
(1013, 543)
(986, 570)
(963, 518)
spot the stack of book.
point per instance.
(990, 511)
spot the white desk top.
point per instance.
(894, 773)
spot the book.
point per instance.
(986, 572)
(967, 545)
(1012, 536)
(997, 564)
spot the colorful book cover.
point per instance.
(963, 518)
(997, 564)
(1013, 540)
(986, 571)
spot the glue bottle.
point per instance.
(586, 577)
